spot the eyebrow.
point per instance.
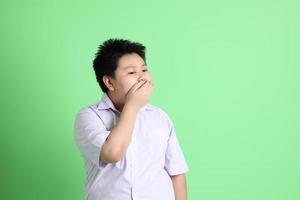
(130, 66)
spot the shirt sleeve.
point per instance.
(174, 159)
(90, 134)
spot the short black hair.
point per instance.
(108, 55)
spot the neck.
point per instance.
(115, 100)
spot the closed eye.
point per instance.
(134, 72)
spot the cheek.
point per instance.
(148, 76)
(128, 84)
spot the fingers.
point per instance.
(137, 85)
(145, 83)
(141, 83)
(148, 85)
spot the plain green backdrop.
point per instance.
(226, 72)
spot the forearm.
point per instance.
(120, 136)
(179, 185)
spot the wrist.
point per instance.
(131, 107)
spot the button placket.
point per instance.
(133, 164)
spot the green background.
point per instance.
(226, 72)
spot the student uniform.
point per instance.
(153, 155)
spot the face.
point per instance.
(131, 68)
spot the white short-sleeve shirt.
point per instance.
(153, 155)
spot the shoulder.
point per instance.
(160, 113)
(86, 109)
(87, 112)
(89, 117)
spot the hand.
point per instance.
(139, 94)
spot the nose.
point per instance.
(143, 78)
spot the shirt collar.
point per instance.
(106, 103)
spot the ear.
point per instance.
(108, 82)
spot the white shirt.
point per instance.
(152, 156)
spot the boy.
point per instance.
(129, 146)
